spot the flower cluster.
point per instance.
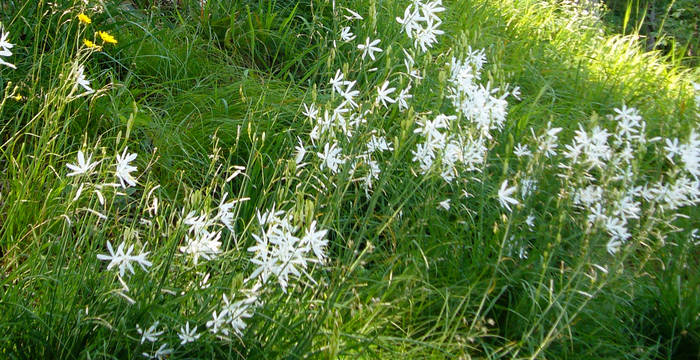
(231, 317)
(420, 22)
(475, 101)
(601, 173)
(449, 140)
(282, 251)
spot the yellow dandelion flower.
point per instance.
(107, 37)
(91, 45)
(18, 97)
(84, 19)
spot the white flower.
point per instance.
(237, 311)
(527, 186)
(403, 96)
(353, 15)
(410, 21)
(427, 36)
(315, 241)
(83, 166)
(205, 245)
(163, 352)
(5, 47)
(617, 229)
(431, 9)
(214, 325)
(521, 150)
(197, 224)
(310, 111)
(187, 335)
(225, 215)
(613, 246)
(589, 195)
(123, 171)
(409, 62)
(627, 114)
(337, 81)
(349, 94)
(530, 221)
(204, 283)
(151, 334)
(82, 81)
(515, 92)
(123, 259)
(629, 122)
(672, 149)
(420, 22)
(504, 195)
(301, 152)
(476, 102)
(690, 154)
(445, 204)
(549, 142)
(424, 155)
(279, 252)
(369, 48)
(378, 144)
(331, 157)
(383, 94)
(346, 35)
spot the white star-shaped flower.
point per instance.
(5, 47)
(82, 81)
(504, 195)
(188, 335)
(383, 94)
(151, 334)
(369, 48)
(123, 171)
(123, 259)
(83, 166)
(347, 35)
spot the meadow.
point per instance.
(360, 179)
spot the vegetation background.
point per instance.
(198, 90)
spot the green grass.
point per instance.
(196, 93)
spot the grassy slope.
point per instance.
(421, 283)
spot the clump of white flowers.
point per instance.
(458, 146)
(203, 237)
(420, 22)
(231, 318)
(602, 176)
(474, 101)
(284, 251)
(598, 169)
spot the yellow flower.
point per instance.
(92, 45)
(84, 19)
(18, 97)
(107, 37)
